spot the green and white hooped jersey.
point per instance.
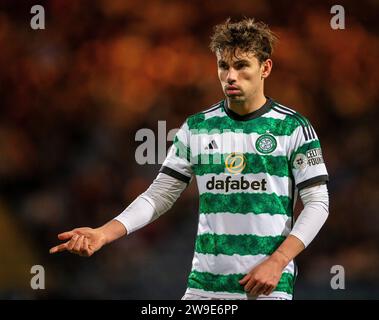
(248, 170)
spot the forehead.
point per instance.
(231, 56)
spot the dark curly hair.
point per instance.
(246, 35)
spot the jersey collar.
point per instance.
(252, 115)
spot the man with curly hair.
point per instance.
(251, 157)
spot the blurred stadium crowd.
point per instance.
(72, 97)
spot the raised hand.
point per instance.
(82, 241)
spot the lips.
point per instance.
(232, 90)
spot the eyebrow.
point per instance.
(234, 62)
(242, 60)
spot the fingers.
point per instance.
(69, 235)
(244, 279)
(66, 235)
(268, 290)
(78, 245)
(85, 252)
(59, 248)
(250, 284)
(257, 289)
(72, 242)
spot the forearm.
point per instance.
(155, 201)
(308, 224)
(287, 251)
(314, 214)
(138, 214)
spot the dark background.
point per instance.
(73, 96)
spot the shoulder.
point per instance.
(216, 110)
(293, 117)
(290, 113)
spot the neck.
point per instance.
(247, 106)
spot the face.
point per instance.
(241, 75)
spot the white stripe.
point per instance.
(200, 294)
(236, 223)
(228, 142)
(219, 112)
(286, 108)
(309, 172)
(176, 163)
(282, 186)
(274, 115)
(181, 134)
(224, 264)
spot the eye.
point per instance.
(240, 65)
(223, 66)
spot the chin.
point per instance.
(235, 97)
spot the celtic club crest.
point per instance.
(266, 143)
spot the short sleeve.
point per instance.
(306, 158)
(178, 161)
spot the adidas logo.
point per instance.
(212, 145)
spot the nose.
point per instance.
(231, 77)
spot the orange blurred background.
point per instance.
(73, 96)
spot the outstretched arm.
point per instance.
(147, 207)
(264, 278)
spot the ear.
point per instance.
(266, 68)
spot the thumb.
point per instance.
(66, 235)
(244, 279)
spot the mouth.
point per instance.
(232, 90)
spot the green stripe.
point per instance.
(244, 203)
(255, 163)
(261, 125)
(229, 283)
(194, 119)
(182, 151)
(242, 244)
(304, 148)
